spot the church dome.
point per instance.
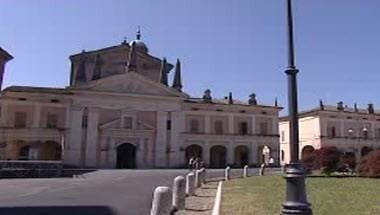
(139, 44)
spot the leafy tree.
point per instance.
(327, 159)
(369, 165)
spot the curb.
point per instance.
(218, 200)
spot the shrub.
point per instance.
(327, 159)
(369, 165)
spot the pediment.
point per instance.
(132, 83)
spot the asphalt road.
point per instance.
(104, 192)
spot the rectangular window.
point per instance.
(194, 126)
(218, 127)
(20, 120)
(378, 133)
(52, 121)
(128, 122)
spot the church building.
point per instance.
(119, 111)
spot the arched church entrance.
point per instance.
(218, 156)
(126, 156)
(193, 151)
(241, 156)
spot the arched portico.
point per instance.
(126, 156)
(193, 151)
(241, 156)
(218, 156)
(306, 152)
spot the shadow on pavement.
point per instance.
(58, 210)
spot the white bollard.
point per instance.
(197, 182)
(203, 175)
(162, 201)
(179, 193)
(190, 184)
(245, 171)
(227, 173)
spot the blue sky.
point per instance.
(224, 45)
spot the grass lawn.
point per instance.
(328, 196)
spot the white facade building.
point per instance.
(120, 112)
(352, 130)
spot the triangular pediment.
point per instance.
(130, 82)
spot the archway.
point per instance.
(126, 156)
(264, 154)
(241, 156)
(193, 151)
(218, 156)
(306, 152)
(24, 153)
(365, 150)
(51, 150)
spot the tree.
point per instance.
(327, 159)
(369, 165)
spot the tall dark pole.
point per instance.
(296, 199)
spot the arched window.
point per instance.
(243, 128)
(194, 126)
(24, 153)
(218, 127)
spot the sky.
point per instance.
(226, 46)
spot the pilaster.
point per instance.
(230, 124)
(161, 139)
(73, 153)
(207, 124)
(92, 137)
(36, 123)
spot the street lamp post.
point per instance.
(296, 199)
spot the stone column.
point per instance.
(207, 124)
(92, 137)
(206, 153)
(36, 123)
(252, 158)
(230, 153)
(161, 139)
(73, 155)
(177, 127)
(253, 125)
(231, 124)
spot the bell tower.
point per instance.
(4, 58)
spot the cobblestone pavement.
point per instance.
(203, 201)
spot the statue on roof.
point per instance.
(207, 96)
(252, 99)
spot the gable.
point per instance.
(130, 82)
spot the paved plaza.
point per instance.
(103, 192)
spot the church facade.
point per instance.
(119, 111)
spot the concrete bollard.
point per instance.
(162, 201)
(179, 193)
(197, 182)
(204, 175)
(245, 171)
(190, 184)
(227, 173)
